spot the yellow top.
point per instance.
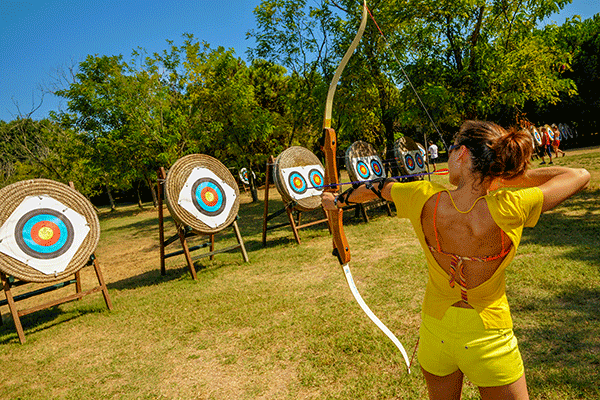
(511, 209)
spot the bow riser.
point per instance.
(340, 244)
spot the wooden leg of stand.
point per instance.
(13, 307)
(266, 211)
(186, 250)
(212, 246)
(102, 284)
(161, 226)
(240, 240)
(78, 282)
(290, 214)
(363, 211)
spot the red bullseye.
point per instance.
(209, 196)
(45, 233)
(298, 182)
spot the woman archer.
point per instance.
(469, 235)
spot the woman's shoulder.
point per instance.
(523, 205)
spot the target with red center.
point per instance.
(316, 178)
(362, 170)
(208, 196)
(297, 183)
(376, 167)
(537, 137)
(409, 162)
(44, 233)
(419, 160)
(550, 132)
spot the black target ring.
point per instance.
(297, 183)
(55, 242)
(316, 178)
(208, 196)
(376, 168)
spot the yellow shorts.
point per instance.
(488, 357)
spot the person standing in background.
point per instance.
(433, 154)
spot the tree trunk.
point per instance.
(113, 207)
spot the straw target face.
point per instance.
(207, 197)
(43, 233)
(303, 182)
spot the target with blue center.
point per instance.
(537, 137)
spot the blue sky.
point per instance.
(39, 38)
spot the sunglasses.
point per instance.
(453, 147)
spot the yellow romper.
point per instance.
(478, 341)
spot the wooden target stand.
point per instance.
(184, 232)
(9, 282)
(294, 221)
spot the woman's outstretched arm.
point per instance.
(556, 183)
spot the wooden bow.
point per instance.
(329, 146)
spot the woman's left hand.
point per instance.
(327, 199)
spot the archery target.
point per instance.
(244, 175)
(363, 163)
(43, 234)
(410, 156)
(377, 168)
(362, 170)
(207, 197)
(419, 160)
(369, 167)
(201, 193)
(549, 131)
(537, 136)
(298, 176)
(409, 161)
(303, 182)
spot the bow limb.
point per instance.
(340, 242)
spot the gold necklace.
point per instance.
(470, 209)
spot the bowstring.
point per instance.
(389, 47)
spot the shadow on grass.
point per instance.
(42, 320)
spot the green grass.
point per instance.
(285, 325)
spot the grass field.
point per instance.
(285, 325)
